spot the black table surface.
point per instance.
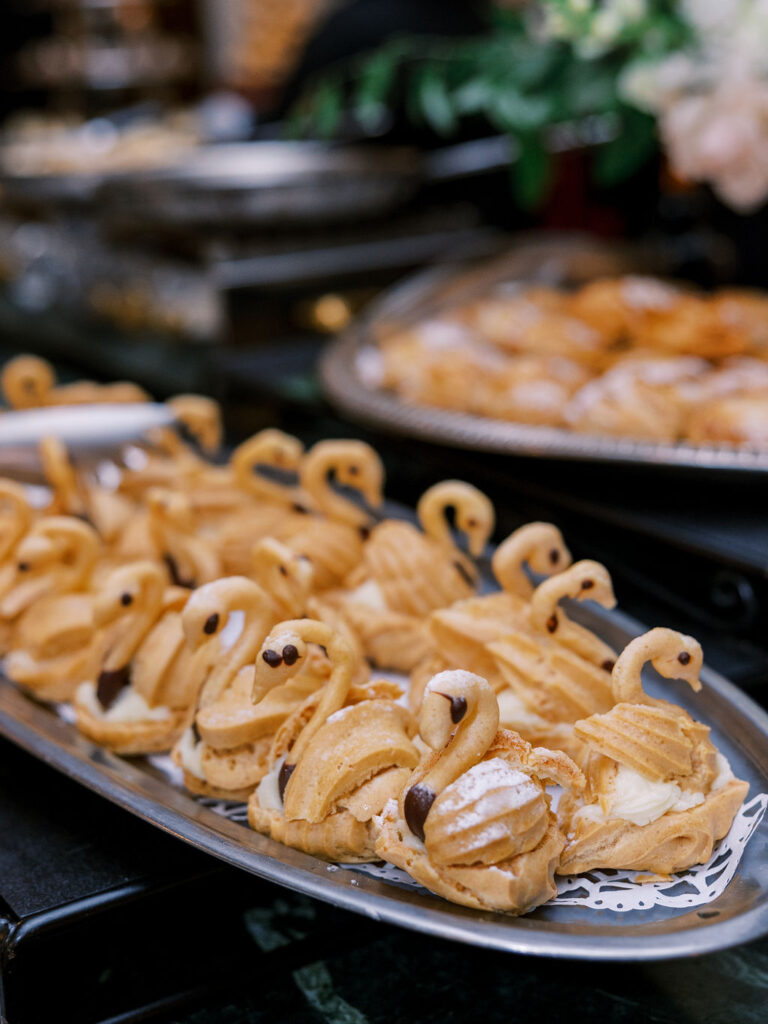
(107, 919)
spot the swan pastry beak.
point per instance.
(275, 662)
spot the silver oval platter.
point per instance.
(738, 914)
(350, 367)
(86, 430)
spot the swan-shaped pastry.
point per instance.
(217, 759)
(167, 459)
(474, 824)
(57, 555)
(333, 540)
(461, 631)
(28, 382)
(74, 495)
(267, 506)
(333, 767)
(191, 559)
(48, 614)
(235, 735)
(123, 705)
(555, 670)
(406, 573)
(660, 795)
(200, 416)
(15, 519)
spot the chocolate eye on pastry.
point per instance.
(290, 654)
(211, 624)
(126, 599)
(272, 658)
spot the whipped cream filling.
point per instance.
(268, 790)
(724, 773)
(634, 798)
(369, 595)
(190, 752)
(130, 706)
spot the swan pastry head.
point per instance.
(473, 513)
(672, 654)
(353, 463)
(540, 545)
(129, 589)
(27, 381)
(583, 581)
(207, 611)
(284, 652)
(58, 552)
(446, 700)
(267, 448)
(202, 418)
(286, 576)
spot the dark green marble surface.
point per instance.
(316, 965)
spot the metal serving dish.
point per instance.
(739, 728)
(88, 431)
(553, 260)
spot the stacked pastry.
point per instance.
(627, 357)
(233, 614)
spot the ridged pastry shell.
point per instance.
(550, 679)
(390, 639)
(334, 549)
(489, 814)
(659, 740)
(415, 575)
(513, 886)
(349, 748)
(150, 736)
(340, 837)
(675, 841)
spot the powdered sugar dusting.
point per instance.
(484, 794)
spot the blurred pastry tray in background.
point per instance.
(351, 369)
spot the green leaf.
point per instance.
(617, 160)
(326, 104)
(532, 173)
(434, 100)
(474, 96)
(375, 83)
(513, 112)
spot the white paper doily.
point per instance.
(597, 890)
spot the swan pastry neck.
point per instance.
(281, 657)
(585, 580)
(202, 418)
(540, 545)
(15, 516)
(61, 477)
(672, 654)
(355, 464)
(129, 604)
(271, 448)
(207, 613)
(459, 719)
(474, 515)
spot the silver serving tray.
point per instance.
(87, 430)
(558, 260)
(739, 728)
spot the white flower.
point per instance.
(721, 137)
(631, 10)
